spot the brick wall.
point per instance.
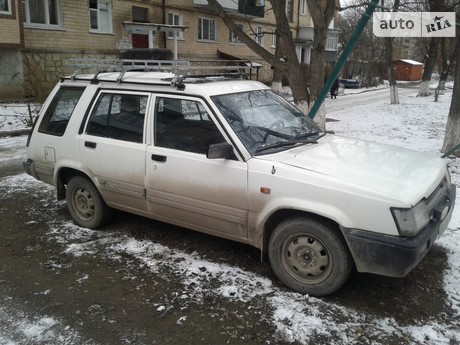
(10, 28)
(47, 48)
(11, 75)
(43, 69)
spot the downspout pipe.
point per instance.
(343, 58)
(163, 8)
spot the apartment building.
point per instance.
(11, 43)
(37, 37)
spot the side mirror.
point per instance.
(221, 150)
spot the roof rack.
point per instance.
(182, 69)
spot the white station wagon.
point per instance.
(233, 159)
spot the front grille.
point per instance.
(437, 197)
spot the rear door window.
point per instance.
(58, 114)
(119, 116)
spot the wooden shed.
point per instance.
(408, 70)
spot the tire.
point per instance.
(309, 256)
(85, 204)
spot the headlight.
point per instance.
(411, 220)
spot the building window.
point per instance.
(140, 14)
(42, 13)
(232, 37)
(259, 33)
(206, 29)
(100, 14)
(290, 10)
(175, 19)
(332, 40)
(5, 6)
(303, 7)
(273, 38)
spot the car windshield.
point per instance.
(265, 122)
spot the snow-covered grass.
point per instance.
(416, 123)
(15, 116)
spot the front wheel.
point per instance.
(85, 204)
(309, 256)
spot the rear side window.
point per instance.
(58, 114)
(119, 116)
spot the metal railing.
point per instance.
(181, 69)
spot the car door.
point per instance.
(183, 186)
(112, 148)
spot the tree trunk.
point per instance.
(277, 81)
(317, 76)
(289, 66)
(432, 54)
(322, 13)
(452, 136)
(285, 45)
(317, 62)
(446, 67)
(394, 96)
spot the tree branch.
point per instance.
(245, 38)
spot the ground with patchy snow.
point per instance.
(140, 282)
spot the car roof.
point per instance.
(203, 85)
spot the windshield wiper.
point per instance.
(285, 143)
(312, 134)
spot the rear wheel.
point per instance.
(309, 256)
(85, 204)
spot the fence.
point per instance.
(17, 116)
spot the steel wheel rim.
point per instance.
(306, 258)
(84, 204)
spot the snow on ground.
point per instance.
(17, 115)
(416, 123)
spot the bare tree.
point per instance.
(322, 12)
(289, 65)
(452, 136)
(366, 60)
(446, 63)
(394, 96)
(430, 63)
(432, 54)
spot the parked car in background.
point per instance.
(351, 83)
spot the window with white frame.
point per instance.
(175, 19)
(303, 7)
(290, 10)
(259, 33)
(5, 6)
(332, 40)
(42, 13)
(206, 29)
(233, 38)
(100, 15)
(273, 38)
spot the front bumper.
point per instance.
(396, 256)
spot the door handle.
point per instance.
(159, 158)
(90, 144)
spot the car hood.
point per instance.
(388, 171)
